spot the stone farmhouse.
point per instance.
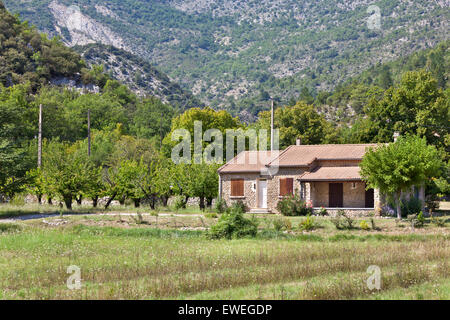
(322, 175)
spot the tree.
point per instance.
(299, 121)
(67, 173)
(417, 105)
(205, 183)
(396, 167)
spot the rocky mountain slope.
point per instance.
(237, 53)
(138, 74)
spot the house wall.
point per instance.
(353, 198)
(250, 192)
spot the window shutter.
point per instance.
(290, 186)
(283, 189)
(286, 186)
(237, 188)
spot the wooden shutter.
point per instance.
(286, 186)
(237, 188)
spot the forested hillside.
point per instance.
(237, 54)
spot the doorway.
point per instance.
(336, 195)
(262, 194)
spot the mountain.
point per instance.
(138, 74)
(239, 53)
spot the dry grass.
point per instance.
(138, 262)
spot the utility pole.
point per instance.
(89, 132)
(271, 128)
(40, 137)
(160, 131)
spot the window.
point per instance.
(237, 188)
(353, 185)
(286, 186)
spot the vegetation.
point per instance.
(330, 264)
(397, 167)
(233, 225)
(292, 205)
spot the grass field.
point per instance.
(169, 257)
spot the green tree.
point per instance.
(396, 167)
(417, 105)
(67, 173)
(299, 121)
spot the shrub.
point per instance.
(221, 205)
(239, 205)
(372, 223)
(281, 224)
(343, 221)
(363, 225)
(292, 205)
(322, 212)
(179, 203)
(420, 219)
(232, 225)
(411, 206)
(308, 224)
(438, 222)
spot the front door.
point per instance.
(262, 194)
(370, 198)
(336, 195)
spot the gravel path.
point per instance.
(41, 216)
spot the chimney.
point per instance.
(396, 136)
(299, 141)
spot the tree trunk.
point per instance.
(39, 197)
(152, 203)
(137, 203)
(186, 199)
(110, 200)
(122, 201)
(202, 203)
(79, 200)
(164, 200)
(68, 201)
(50, 201)
(399, 205)
(209, 202)
(95, 201)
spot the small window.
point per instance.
(286, 186)
(237, 188)
(303, 191)
(353, 185)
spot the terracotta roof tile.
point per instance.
(332, 174)
(304, 155)
(249, 161)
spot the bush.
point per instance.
(239, 205)
(232, 225)
(322, 212)
(364, 225)
(281, 224)
(420, 219)
(411, 206)
(221, 205)
(343, 221)
(438, 222)
(293, 206)
(308, 224)
(179, 203)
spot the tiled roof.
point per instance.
(332, 174)
(304, 155)
(249, 161)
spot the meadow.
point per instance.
(168, 256)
